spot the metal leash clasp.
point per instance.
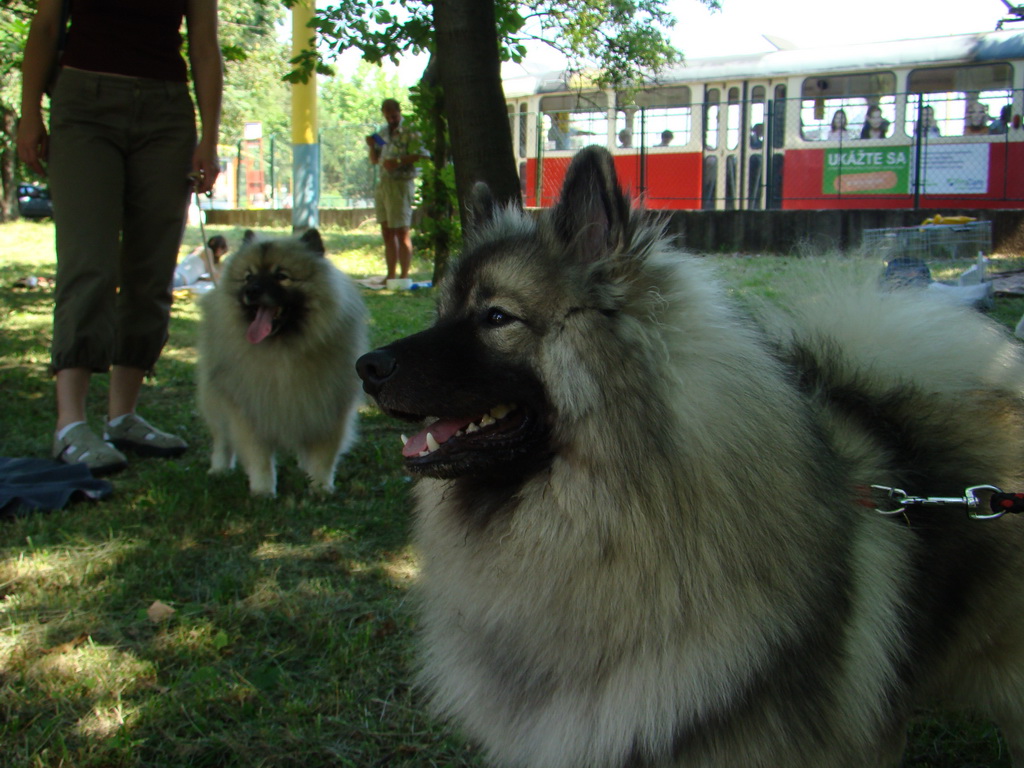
(969, 501)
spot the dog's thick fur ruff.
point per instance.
(277, 348)
(658, 553)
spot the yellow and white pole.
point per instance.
(305, 130)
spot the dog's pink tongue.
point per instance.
(442, 430)
(260, 328)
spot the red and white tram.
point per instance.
(922, 123)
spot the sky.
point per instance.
(741, 25)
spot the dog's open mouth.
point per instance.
(443, 431)
(497, 442)
(263, 324)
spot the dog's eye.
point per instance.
(497, 317)
(281, 276)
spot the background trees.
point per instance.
(459, 105)
(349, 108)
(622, 41)
(14, 22)
(256, 47)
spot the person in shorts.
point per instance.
(395, 150)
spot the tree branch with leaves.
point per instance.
(620, 43)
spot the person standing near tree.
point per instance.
(122, 156)
(395, 150)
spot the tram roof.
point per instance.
(930, 51)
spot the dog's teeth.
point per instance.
(472, 428)
(487, 420)
(404, 440)
(501, 411)
(432, 444)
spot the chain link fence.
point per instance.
(258, 172)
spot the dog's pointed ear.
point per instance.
(592, 215)
(312, 240)
(480, 205)
(248, 237)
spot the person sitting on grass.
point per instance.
(202, 265)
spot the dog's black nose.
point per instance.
(374, 368)
(252, 291)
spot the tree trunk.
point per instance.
(8, 165)
(470, 70)
(436, 195)
(442, 244)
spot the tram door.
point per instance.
(733, 168)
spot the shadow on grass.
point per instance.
(291, 637)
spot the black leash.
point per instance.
(982, 502)
(194, 179)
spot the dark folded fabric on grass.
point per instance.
(38, 485)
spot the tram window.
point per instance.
(842, 86)
(627, 123)
(666, 127)
(732, 120)
(665, 116)
(959, 114)
(711, 127)
(983, 77)
(757, 114)
(848, 119)
(523, 126)
(779, 117)
(572, 121)
(836, 107)
(660, 127)
(757, 117)
(963, 101)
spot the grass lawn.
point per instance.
(289, 640)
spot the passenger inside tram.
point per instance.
(838, 130)
(562, 131)
(1002, 123)
(928, 124)
(875, 125)
(976, 119)
(757, 136)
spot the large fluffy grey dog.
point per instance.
(277, 348)
(645, 518)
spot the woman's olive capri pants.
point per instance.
(119, 158)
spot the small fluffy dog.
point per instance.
(277, 349)
(644, 512)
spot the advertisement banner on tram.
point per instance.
(866, 171)
(955, 169)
